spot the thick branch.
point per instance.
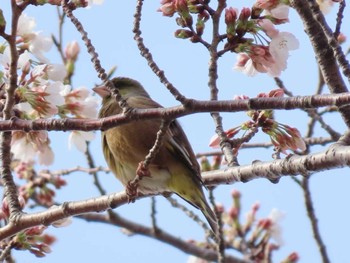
(298, 102)
(324, 53)
(65, 210)
(335, 156)
(338, 155)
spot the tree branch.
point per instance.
(317, 30)
(313, 219)
(338, 155)
(162, 236)
(297, 102)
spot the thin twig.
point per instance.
(94, 57)
(340, 17)
(313, 219)
(221, 242)
(157, 144)
(312, 113)
(6, 251)
(213, 76)
(142, 169)
(91, 164)
(163, 236)
(144, 51)
(191, 215)
(58, 42)
(153, 214)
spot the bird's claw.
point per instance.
(142, 170)
(131, 187)
(131, 191)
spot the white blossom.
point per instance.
(79, 139)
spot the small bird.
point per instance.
(173, 170)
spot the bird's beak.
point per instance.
(103, 91)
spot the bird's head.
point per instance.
(126, 87)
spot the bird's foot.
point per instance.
(131, 190)
(142, 171)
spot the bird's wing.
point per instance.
(178, 143)
(180, 147)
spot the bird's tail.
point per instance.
(196, 197)
(209, 215)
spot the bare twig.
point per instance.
(221, 242)
(161, 235)
(153, 214)
(144, 51)
(190, 214)
(91, 164)
(340, 17)
(213, 75)
(5, 252)
(94, 57)
(313, 219)
(58, 42)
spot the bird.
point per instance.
(174, 169)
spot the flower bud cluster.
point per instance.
(282, 136)
(259, 237)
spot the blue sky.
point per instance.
(185, 64)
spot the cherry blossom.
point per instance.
(266, 4)
(25, 26)
(167, 7)
(79, 139)
(271, 59)
(325, 5)
(35, 42)
(26, 146)
(5, 59)
(42, 100)
(275, 229)
(80, 103)
(245, 65)
(280, 12)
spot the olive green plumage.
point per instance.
(174, 169)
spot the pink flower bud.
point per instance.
(276, 93)
(341, 38)
(265, 223)
(245, 14)
(230, 16)
(294, 257)
(72, 50)
(233, 212)
(219, 208)
(167, 8)
(235, 194)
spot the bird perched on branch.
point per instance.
(174, 169)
